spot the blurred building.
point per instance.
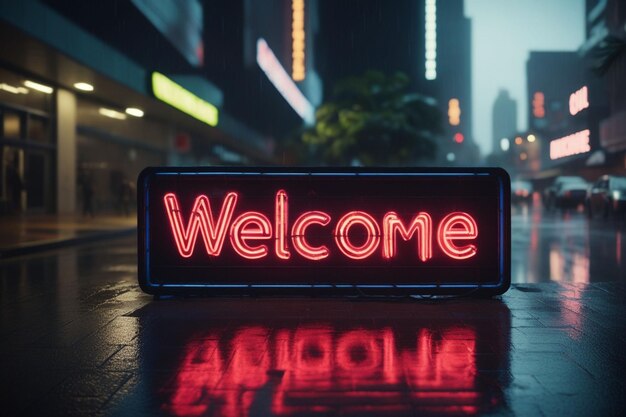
(93, 92)
(428, 40)
(566, 103)
(504, 121)
(605, 51)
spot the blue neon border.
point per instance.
(143, 194)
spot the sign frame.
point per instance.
(494, 287)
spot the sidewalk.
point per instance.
(26, 233)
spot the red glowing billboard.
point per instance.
(334, 231)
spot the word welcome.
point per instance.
(252, 226)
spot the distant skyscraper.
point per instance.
(504, 119)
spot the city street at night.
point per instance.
(78, 337)
(250, 208)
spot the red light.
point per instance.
(250, 226)
(299, 230)
(372, 235)
(201, 220)
(421, 223)
(458, 137)
(281, 225)
(216, 374)
(538, 105)
(457, 226)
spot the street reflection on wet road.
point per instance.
(565, 246)
(77, 336)
(291, 357)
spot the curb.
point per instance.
(34, 247)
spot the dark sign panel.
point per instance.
(332, 231)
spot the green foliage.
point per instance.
(374, 120)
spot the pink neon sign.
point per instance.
(578, 101)
(250, 228)
(573, 144)
(283, 82)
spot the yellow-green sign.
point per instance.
(184, 100)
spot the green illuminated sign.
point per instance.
(182, 99)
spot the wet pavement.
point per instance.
(77, 337)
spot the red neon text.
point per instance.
(454, 228)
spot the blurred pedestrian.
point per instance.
(126, 194)
(87, 186)
(15, 186)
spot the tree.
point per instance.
(374, 120)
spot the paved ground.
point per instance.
(23, 234)
(78, 337)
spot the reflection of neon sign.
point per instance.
(573, 144)
(283, 83)
(255, 226)
(578, 101)
(182, 99)
(215, 228)
(374, 365)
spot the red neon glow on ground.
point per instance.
(323, 369)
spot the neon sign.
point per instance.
(298, 45)
(283, 83)
(430, 37)
(573, 144)
(252, 225)
(454, 112)
(184, 100)
(539, 110)
(320, 230)
(578, 101)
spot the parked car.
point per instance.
(521, 191)
(606, 197)
(565, 192)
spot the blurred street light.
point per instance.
(505, 144)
